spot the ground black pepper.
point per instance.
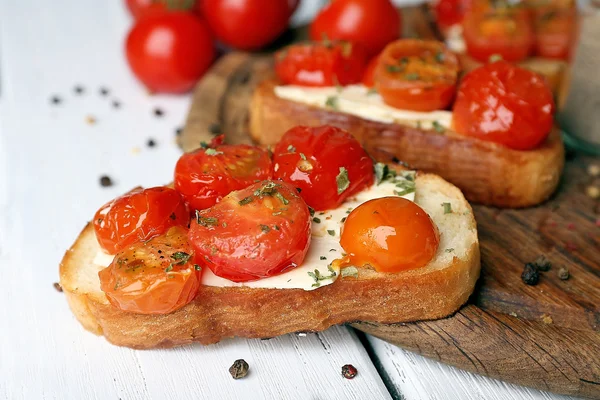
(530, 275)
(178, 131)
(103, 91)
(214, 128)
(55, 100)
(105, 181)
(151, 142)
(158, 112)
(116, 104)
(349, 371)
(239, 369)
(79, 89)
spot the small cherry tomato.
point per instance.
(417, 75)
(369, 23)
(144, 8)
(138, 216)
(554, 32)
(169, 52)
(320, 64)
(391, 234)
(450, 12)
(247, 24)
(506, 104)
(503, 30)
(369, 76)
(155, 277)
(205, 176)
(326, 164)
(253, 233)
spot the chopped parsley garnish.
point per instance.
(206, 221)
(316, 275)
(322, 258)
(394, 68)
(440, 57)
(181, 257)
(405, 186)
(316, 220)
(331, 101)
(495, 57)
(350, 270)
(438, 127)
(450, 250)
(371, 91)
(281, 198)
(412, 76)
(331, 232)
(212, 152)
(447, 208)
(291, 149)
(265, 228)
(383, 172)
(204, 145)
(246, 200)
(342, 180)
(169, 268)
(343, 220)
(302, 156)
(311, 211)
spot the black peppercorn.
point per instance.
(563, 273)
(105, 181)
(530, 275)
(239, 369)
(349, 371)
(542, 263)
(151, 143)
(158, 112)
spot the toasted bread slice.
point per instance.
(486, 172)
(431, 292)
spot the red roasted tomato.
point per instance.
(247, 24)
(450, 12)
(205, 176)
(391, 234)
(138, 216)
(154, 277)
(554, 32)
(369, 76)
(326, 164)
(369, 23)
(145, 8)
(257, 232)
(418, 75)
(169, 52)
(320, 64)
(502, 30)
(506, 104)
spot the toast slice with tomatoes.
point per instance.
(434, 291)
(486, 172)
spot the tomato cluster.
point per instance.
(172, 42)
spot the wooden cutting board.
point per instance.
(545, 336)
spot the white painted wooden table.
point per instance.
(50, 163)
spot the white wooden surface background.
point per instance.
(50, 162)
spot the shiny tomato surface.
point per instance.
(506, 104)
(320, 64)
(253, 233)
(205, 176)
(391, 234)
(369, 75)
(326, 164)
(372, 24)
(418, 75)
(505, 31)
(169, 52)
(154, 277)
(138, 216)
(247, 24)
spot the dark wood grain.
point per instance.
(545, 336)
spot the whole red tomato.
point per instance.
(145, 8)
(247, 24)
(169, 52)
(450, 12)
(504, 103)
(370, 23)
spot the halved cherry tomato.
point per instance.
(369, 76)
(155, 277)
(257, 232)
(138, 216)
(169, 52)
(205, 176)
(391, 234)
(503, 30)
(247, 24)
(320, 64)
(506, 104)
(417, 75)
(450, 12)
(326, 164)
(554, 32)
(369, 23)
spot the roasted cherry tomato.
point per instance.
(169, 52)
(391, 234)
(506, 104)
(257, 232)
(205, 176)
(502, 30)
(369, 23)
(450, 12)
(554, 32)
(326, 164)
(369, 76)
(154, 277)
(320, 64)
(138, 216)
(145, 8)
(247, 24)
(417, 75)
